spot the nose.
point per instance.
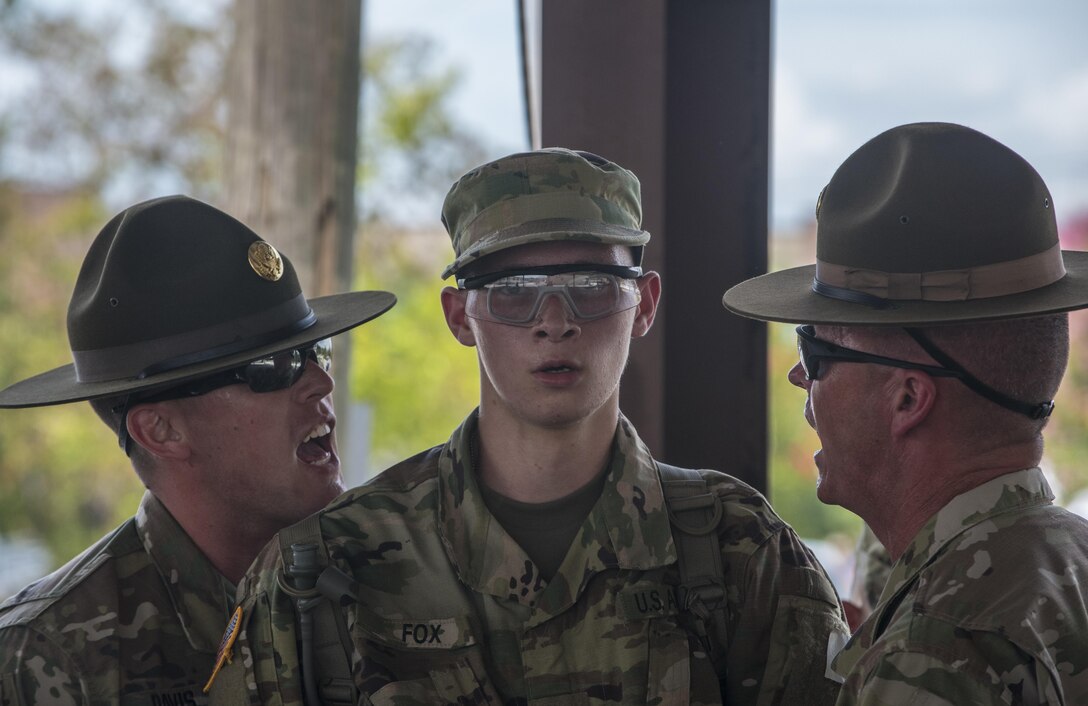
(554, 319)
(798, 377)
(315, 381)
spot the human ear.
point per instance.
(453, 308)
(153, 427)
(649, 286)
(914, 395)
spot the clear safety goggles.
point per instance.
(589, 292)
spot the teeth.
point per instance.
(317, 432)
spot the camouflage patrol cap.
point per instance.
(549, 194)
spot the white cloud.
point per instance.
(847, 70)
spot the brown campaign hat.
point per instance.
(172, 290)
(926, 224)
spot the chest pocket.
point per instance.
(678, 670)
(419, 661)
(623, 643)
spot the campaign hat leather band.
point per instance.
(996, 280)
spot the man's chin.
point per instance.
(823, 491)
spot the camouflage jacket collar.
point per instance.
(201, 596)
(1011, 492)
(628, 528)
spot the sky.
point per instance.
(844, 71)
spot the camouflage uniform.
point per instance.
(871, 568)
(135, 619)
(453, 611)
(986, 606)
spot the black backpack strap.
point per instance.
(318, 590)
(695, 513)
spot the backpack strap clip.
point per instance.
(318, 591)
(695, 514)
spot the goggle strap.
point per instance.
(622, 271)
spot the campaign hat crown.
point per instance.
(926, 224)
(545, 195)
(173, 289)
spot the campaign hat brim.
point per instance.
(787, 296)
(335, 314)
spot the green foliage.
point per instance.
(80, 117)
(64, 479)
(1066, 442)
(412, 148)
(119, 96)
(418, 379)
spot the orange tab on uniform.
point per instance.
(225, 653)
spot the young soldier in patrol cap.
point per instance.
(934, 341)
(194, 343)
(531, 558)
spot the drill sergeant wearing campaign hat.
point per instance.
(934, 339)
(531, 559)
(193, 341)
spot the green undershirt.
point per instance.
(545, 530)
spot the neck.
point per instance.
(533, 463)
(922, 487)
(229, 540)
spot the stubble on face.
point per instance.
(247, 448)
(843, 407)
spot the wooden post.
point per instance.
(679, 92)
(291, 142)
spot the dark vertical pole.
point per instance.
(679, 92)
(716, 183)
(603, 90)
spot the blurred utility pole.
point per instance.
(292, 95)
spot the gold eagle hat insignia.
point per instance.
(265, 261)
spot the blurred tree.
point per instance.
(292, 114)
(292, 130)
(114, 99)
(413, 149)
(408, 368)
(63, 479)
(116, 102)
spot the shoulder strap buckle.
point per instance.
(696, 512)
(318, 591)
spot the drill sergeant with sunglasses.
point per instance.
(934, 339)
(531, 558)
(192, 340)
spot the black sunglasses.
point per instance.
(813, 351)
(278, 371)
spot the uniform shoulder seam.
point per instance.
(37, 597)
(403, 476)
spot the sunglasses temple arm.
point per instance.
(123, 439)
(1039, 410)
